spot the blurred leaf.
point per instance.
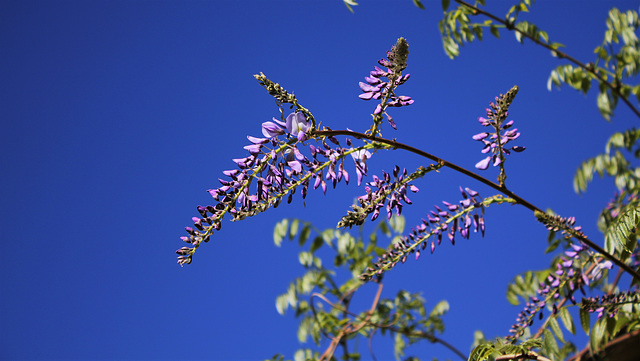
(555, 327)
(494, 31)
(397, 223)
(440, 309)
(418, 3)
(281, 304)
(279, 231)
(596, 339)
(384, 228)
(585, 320)
(604, 105)
(512, 298)
(304, 234)
(293, 228)
(550, 344)
(445, 5)
(567, 320)
(316, 244)
(349, 4)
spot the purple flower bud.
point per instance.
(480, 136)
(366, 96)
(253, 148)
(183, 251)
(483, 164)
(255, 140)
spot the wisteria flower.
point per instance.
(297, 125)
(360, 158)
(495, 142)
(273, 129)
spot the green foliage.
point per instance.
(525, 286)
(621, 236)
(500, 347)
(404, 317)
(617, 59)
(613, 163)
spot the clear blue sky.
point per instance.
(117, 116)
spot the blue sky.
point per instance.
(117, 116)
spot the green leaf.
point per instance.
(512, 298)
(384, 228)
(482, 352)
(596, 338)
(293, 229)
(397, 223)
(279, 231)
(418, 3)
(545, 36)
(494, 31)
(550, 344)
(623, 226)
(567, 320)
(399, 345)
(555, 327)
(316, 244)
(445, 5)
(440, 309)
(304, 235)
(349, 4)
(604, 105)
(585, 320)
(281, 304)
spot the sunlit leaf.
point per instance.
(567, 320)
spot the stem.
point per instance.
(559, 53)
(502, 189)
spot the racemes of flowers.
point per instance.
(388, 194)
(495, 142)
(577, 268)
(283, 161)
(384, 90)
(443, 221)
(275, 168)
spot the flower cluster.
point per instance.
(557, 223)
(454, 218)
(280, 163)
(564, 281)
(609, 304)
(275, 167)
(388, 194)
(495, 142)
(377, 88)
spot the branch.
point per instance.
(560, 54)
(502, 189)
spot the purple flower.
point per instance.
(495, 143)
(271, 129)
(297, 125)
(360, 157)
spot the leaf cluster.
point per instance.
(322, 296)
